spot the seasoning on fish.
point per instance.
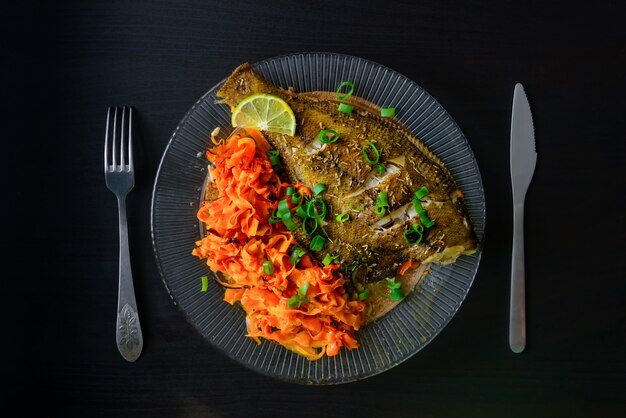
(375, 243)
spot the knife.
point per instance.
(523, 160)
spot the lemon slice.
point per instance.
(265, 112)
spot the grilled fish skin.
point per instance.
(373, 241)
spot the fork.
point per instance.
(119, 174)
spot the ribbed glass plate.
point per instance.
(177, 194)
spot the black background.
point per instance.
(64, 64)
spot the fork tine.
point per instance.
(106, 141)
(123, 134)
(130, 138)
(114, 153)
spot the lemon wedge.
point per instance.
(265, 112)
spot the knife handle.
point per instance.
(517, 320)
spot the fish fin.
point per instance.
(243, 82)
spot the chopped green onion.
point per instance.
(312, 210)
(382, 204)
(301, 212)
(329, 259)
(328, 136)
(397, 294)
(345, 108)
(302, 291)
(268, 267)
(419, 209)
(299, 298)
(414, 236)
(274, 219)
(423, 191)
(418, 206)
(282, 208)
(395, 289)
(365, 151)
(205, 283)
(393, 284)
(317, 243)
(296, 198)
(380, 169)
(388, 112)
(319, 188)
(294, 302)
(274, 157)
(309, 230)
(296, 255)
(426, 221)
(346, 95)
(365, 294)
(290, 190)
(357, 207)
(342, 217)
(289, 222)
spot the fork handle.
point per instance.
(128, 333)
(517, 319)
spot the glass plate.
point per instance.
(177, 196)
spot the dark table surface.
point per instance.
(68, 62)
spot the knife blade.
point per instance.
(523, 159)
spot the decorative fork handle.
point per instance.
(517, 320)
(128, 334)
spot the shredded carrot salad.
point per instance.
(240, 239)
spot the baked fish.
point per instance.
(373, 242)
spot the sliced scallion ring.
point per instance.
(290, 190)
(296, 198)
(274, 219)
(350, 86)
(296, 255)
(289, 222)
(309, 226)
(205, 283)
(268, 267)
(426, 221)
(317, 243)
(303, 289)
(328, 259)
(345, 108)
(274, 157)
(301, 212)
(413, 236)
(419, 209)
(328, 136)
(382, 204)
(365, 294)
(282, 208)
(423, 191)
(387, 112)
(319, 188)
(397, 294)
(343, 217)
(369, 147)
(316, 208)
